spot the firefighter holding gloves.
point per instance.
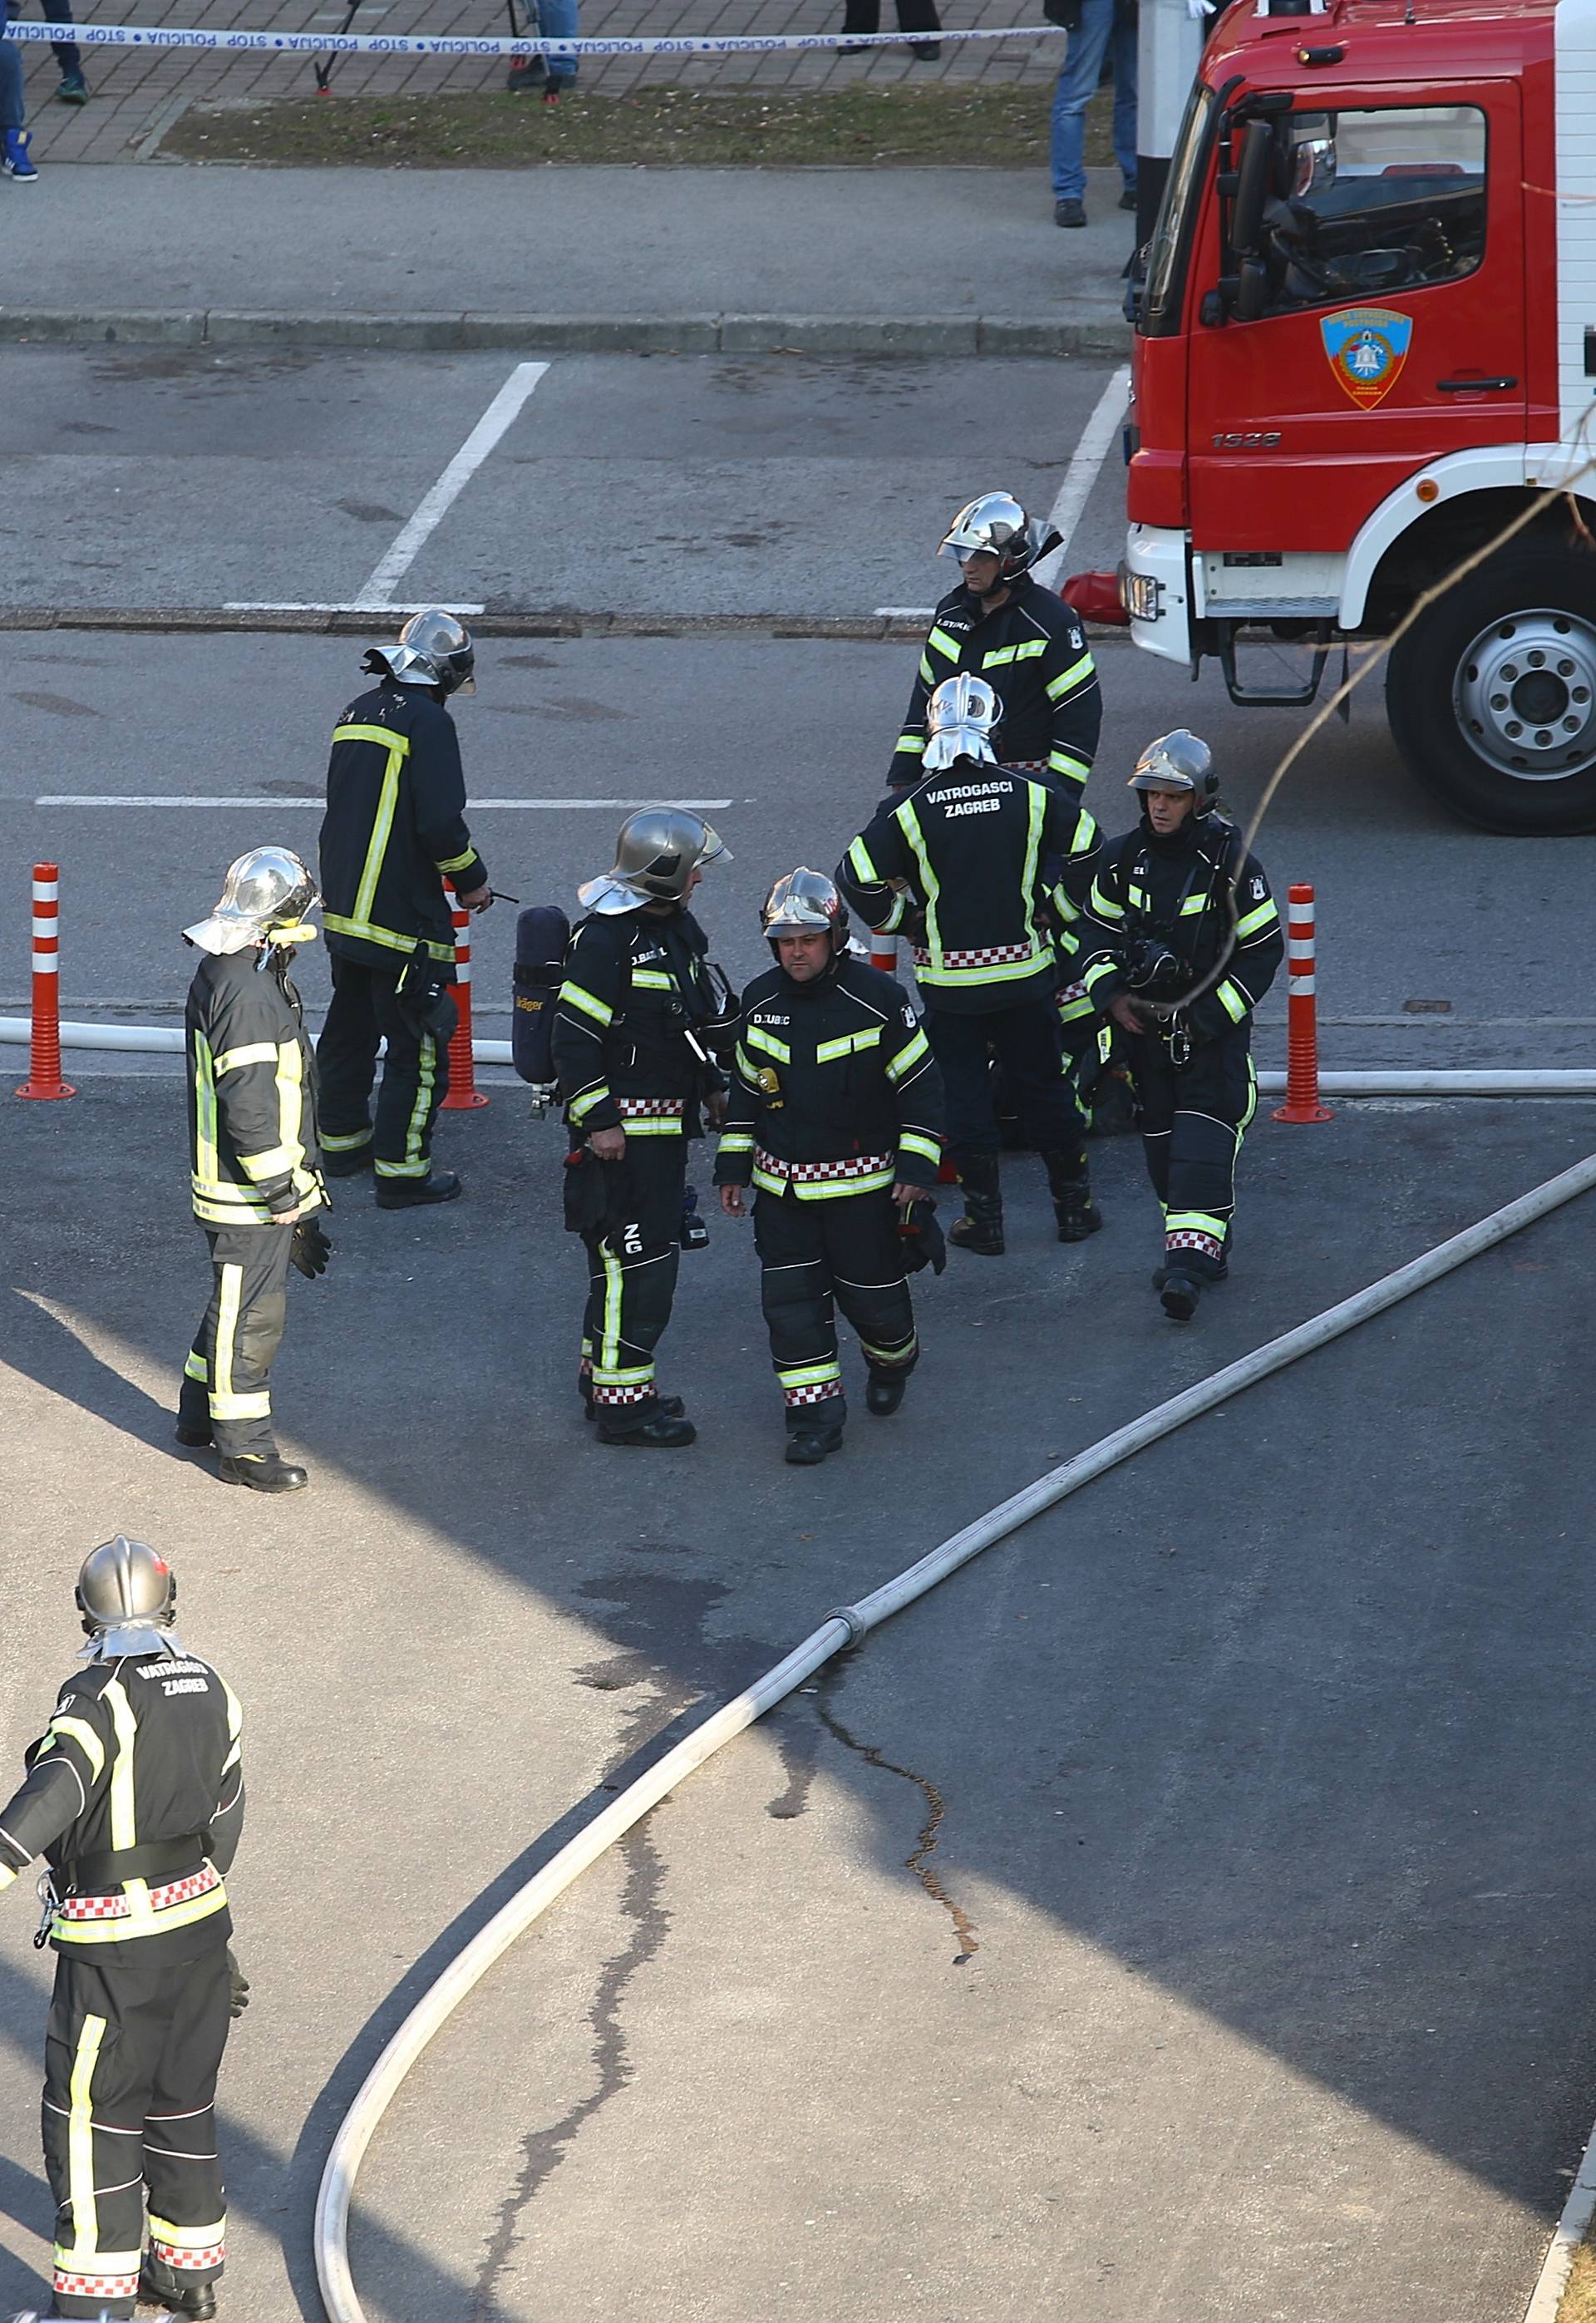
(961, 862)
(640, 1017)
(394, 827)
(1003, 626)
(255, 1169)
(135, 1797)
(1163, 901)
(835, 1118)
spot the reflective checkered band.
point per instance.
(1191, 1238)
(651, 1108)
(178, 2258)
(117, 1907)
(816, 1391)
(1027, 766)
(815, 1173)
(979, 956)
(95, 2286)
(1070, 992)
(644, 1392)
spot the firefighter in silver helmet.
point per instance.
(135, 1797)
(835, 1118)
(1002, 625)
(255, 1166)
(394, 829)
(641, 1018)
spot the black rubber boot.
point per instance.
(196, 2298)
(1180, 1293)
(660, 1432)
(417, 1193)
(264, 1472)
(347, 1166)
(810, 1446)
(1071, 1189)
(194, 1438)
(980, 1230)
(884, 1391)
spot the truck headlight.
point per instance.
(1140, 594)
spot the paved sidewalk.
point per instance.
(605, 258)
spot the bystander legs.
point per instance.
(863, 16)
(1096, 29)
(556, 20)
(13, 137)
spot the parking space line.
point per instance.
(377, 595)
(314, 798)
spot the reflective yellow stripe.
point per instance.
(78, 1731)
(655, 1128)
(426, 1081)
(654, 979)
(912, 744)
(206, 1163)
(1194, 1222)
(189, 2237)
(257, 1052)
(1193, 905)
(1059, 762)
(908, 822)
(1265, 916)
(124, 1828)
(197, 1368)
(911, 1141)
(909, 1055)
(1067, 680)
(809, 1375)
(587, 1003)
(368, 932)
(231, 1292)
(1232, 1000)
(6, 1875)
(830, 1191)
(849, 1044)
(928, 675)
(1086, 833)
(154, 1923)
(944, 644)
(609, 1327)
(290, 1103)
(456, 862)
(399, 750)
(581, 1107)
(1103, 906)
(235, 1711)
(735, 1141)
(995, 660)
(758, 1037)
(86, 2221)
(859, 855)
(274, 1163)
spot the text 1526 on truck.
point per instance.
(1367, 340)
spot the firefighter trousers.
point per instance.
(227, 1378)
(815, 1257)
(632, 1264)
(1038, 1080)
(364, 1010)
(1192, 1121)
(131, 2057)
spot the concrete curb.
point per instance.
(1100, 332)
(217, 620)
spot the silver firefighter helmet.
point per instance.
(265, 895)
(1178, 761)
(958, 721)
(434, 648)
(996, 524)
(658, 850)
(125, 1582)
(802, 903)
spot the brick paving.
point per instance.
(138, 93)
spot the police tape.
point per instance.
(400, 44)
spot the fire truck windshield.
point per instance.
(1170, 249)
(1383, 199)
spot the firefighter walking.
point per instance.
(1163, 902)
(962, 863)
(835, 1117)
(135, 1797)
(254, 1167)
(1000, 624)
(640, 1017)
(394, 827)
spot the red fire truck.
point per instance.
(1367, 342)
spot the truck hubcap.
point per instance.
(1526, 695)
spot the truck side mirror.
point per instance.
(1251, 290)
(1246, 216)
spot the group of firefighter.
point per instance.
(1044, 958)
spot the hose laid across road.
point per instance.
(845, 1627)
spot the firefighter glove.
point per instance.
(238, 1986)
(311, 1249)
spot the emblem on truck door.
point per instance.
(1366, 348)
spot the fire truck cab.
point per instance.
(1366, 348)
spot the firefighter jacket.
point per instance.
(1175, 892)
(395, 822)
(1033, 653)
(835, 1090)
(253, 1146)
(637, 1024)
(135, 1796)
(960, 862)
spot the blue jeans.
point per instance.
(1102, 28)
(13, 112)
(556, 21)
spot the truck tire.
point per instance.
(1491, 694)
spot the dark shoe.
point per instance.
(811, 1445)
(524, 74)
(196, 2298)
(552, 93)
(669, 1407)
(193, 1437)
(417, 1193)
(663, 1433)
(72, 89)
(347, 1166)
(1160, 1274)
(1181, 1294)
(1078, 1219)
(1128, 199)
(1070, 1187)
(263, 1471)
(883, 1392)
(1069, 213)
(980, 1230)
(929, 49)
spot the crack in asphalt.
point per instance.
(919, 1862)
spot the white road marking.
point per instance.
(376, 596)
(314, 798)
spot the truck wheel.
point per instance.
(1492, 695)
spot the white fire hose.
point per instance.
(842, 1627)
